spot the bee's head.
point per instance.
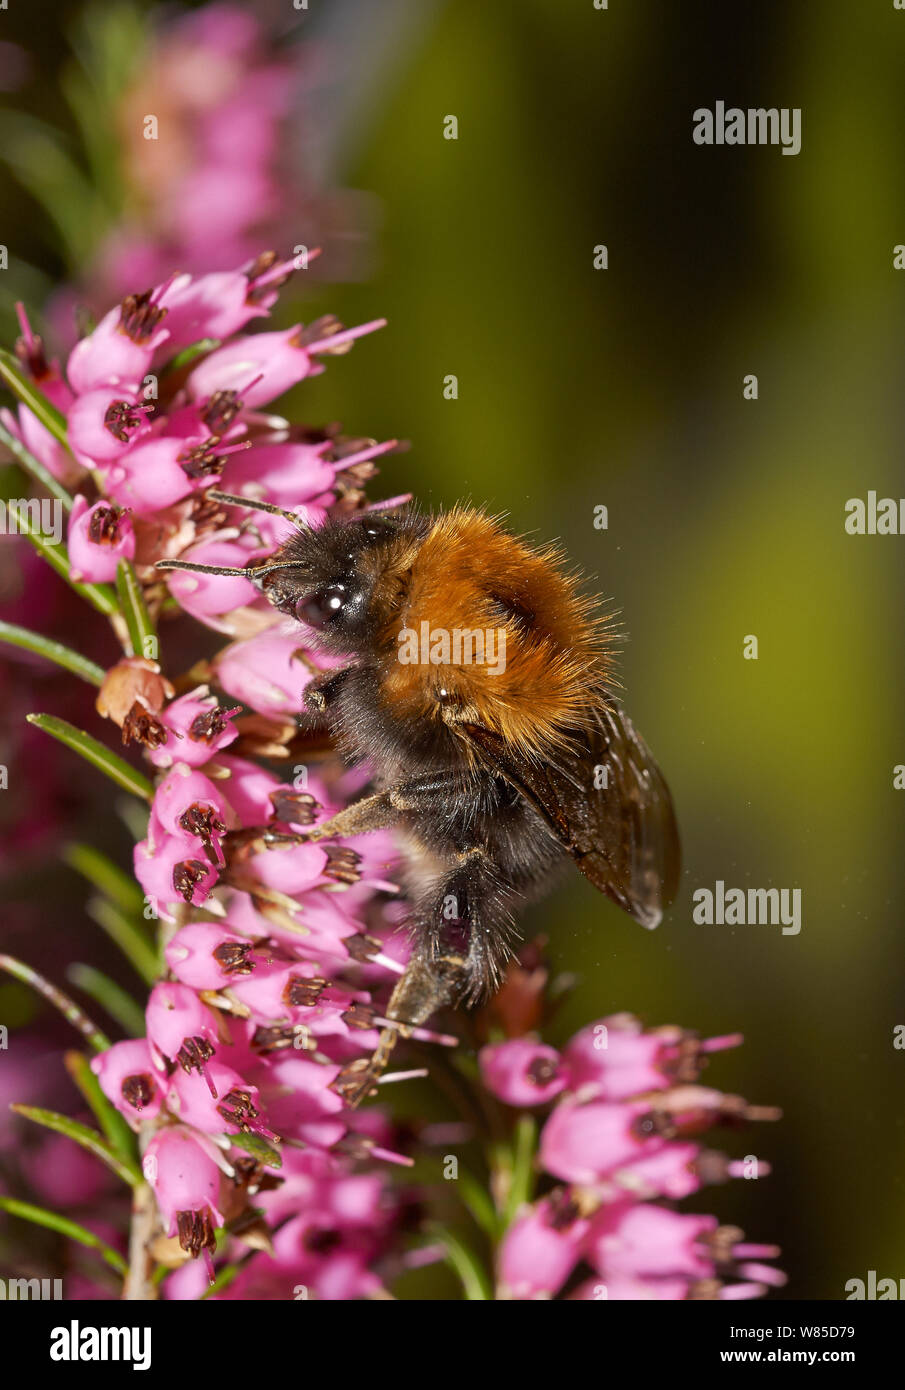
(329, 577)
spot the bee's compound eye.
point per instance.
(318, 608)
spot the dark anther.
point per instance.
(541, 1071)
(301, 993)
(104, 526)
(202, 461)
(142, 726)
(220, 410)
(121, 418)
(187, 876)
(193, 1054)
(138, 1091)
(210, 724)
(138, 317)
(362, 948)
(232, 957)
(204, 822)
(342, 864)
(360, 1015)
(196, 1231)
(294, 808)
(238, 1108)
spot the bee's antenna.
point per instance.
(252, 574)
(199, 569)
(254, 505)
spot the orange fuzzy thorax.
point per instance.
(469, 573)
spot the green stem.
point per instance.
(67, 1007)
(135, 610)
(29, 394)
(118, 1003)
(474, 1277)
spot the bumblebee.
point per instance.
(478, 686)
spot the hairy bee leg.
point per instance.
(373, 813)
(425, 987)
(378, 811)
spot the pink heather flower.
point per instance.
(197, 728)
(189, 805)
(583, 1143)
(521, 1072)
(99, 537)
(617, 1058)
(217, 305)
(186, 1183)
(638, 1239)
(215, 1100)
(130, 1079)
(170, 872)
(102, 424)
(207, 595)
(120, 350)
(265, 672)
(540, 1250)
(175, 1014)
(263, 366)
(206, 955)
(157, 472)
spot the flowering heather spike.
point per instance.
(274, 992)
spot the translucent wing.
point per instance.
(607, 801)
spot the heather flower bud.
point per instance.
(129, 680)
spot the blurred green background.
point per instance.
(726, 517)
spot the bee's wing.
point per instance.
(620, 828)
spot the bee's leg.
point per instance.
(376, 812)
(462, 934)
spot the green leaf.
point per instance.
(54, 1222)
(258, 1148)
(35, 467)
(53, 651)
(108, 878)
(118, 1003)
(133, 943)
(67, 1007)
(470, 1269)
(101, 596)
(522, 1173)
(83, 1136)
(190, 354)
(21, 386)
(122, 1139)
(95, 752)
(132, 601)
(479, 1203)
